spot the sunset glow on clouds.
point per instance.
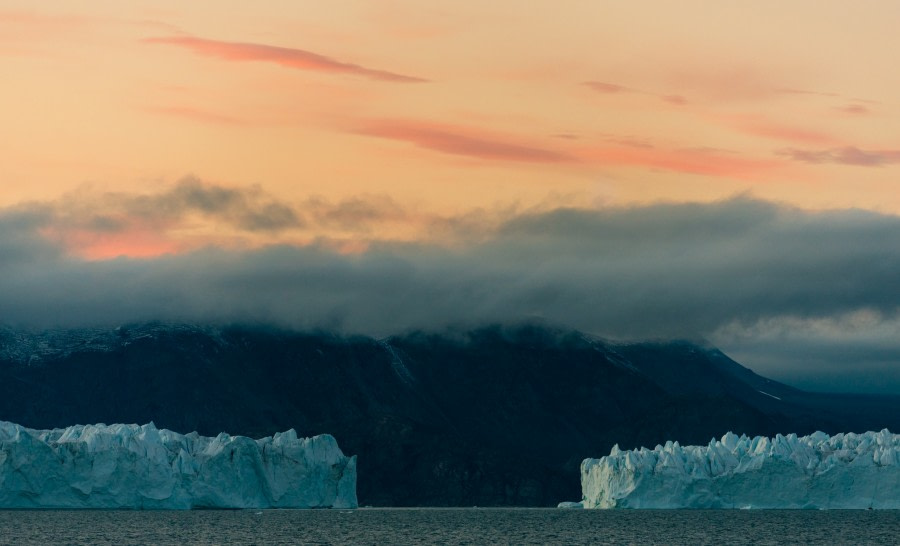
(155, 130)
(305, 100)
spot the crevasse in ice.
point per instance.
(132, 466)
(816, 471)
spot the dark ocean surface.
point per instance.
(451, 526)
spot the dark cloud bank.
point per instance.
(808, 296)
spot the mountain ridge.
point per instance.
(501, 415)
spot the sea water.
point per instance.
(451, 526)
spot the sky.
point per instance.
(640, 169)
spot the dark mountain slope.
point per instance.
(497, 416)
(685, 368)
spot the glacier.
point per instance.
(818, 471)
(142, 467)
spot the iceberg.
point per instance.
(812, 472)
(142, 467)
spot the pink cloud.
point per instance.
(853, 109)
(625, 152)
(677, 100)
(847, 155)
(631, 142)
(850, 109)
(763, 127)
(462, 141)
(612, 89)
(703, 161)
(791, 91)
(735, 81)
(787, 132)
(480, 144)
(283, 56)
(602, 87)
(196, 115)
(139, 243)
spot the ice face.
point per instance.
(816, 471)
(131, 466)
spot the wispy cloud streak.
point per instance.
(608, 88)
(779, 131)
(481, 144)
(854, 109)
(615, 89)
(284, 56)
(196, 114)
(703, 161)
(462, 141)
(848, 155)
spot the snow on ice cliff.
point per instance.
(816, 471)
(131, 466)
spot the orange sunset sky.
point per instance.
(631, 169)
(411, 111)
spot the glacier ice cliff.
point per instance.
(142, 467)
(816, 472)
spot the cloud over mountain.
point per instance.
(738, 270)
